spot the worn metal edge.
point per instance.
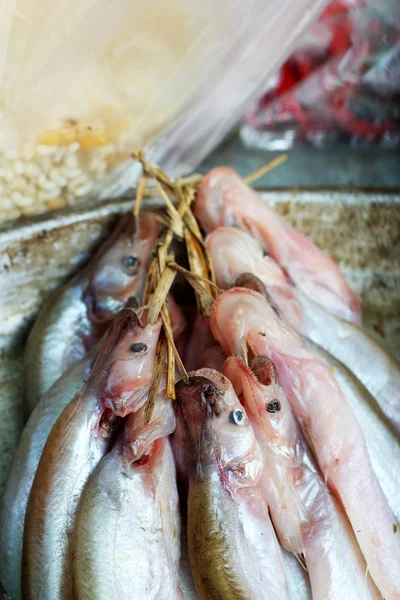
(28, 227)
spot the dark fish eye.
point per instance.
(273, 406)
(130, 261)
(237, 417)
(138, 347)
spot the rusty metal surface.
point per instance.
(361, 231)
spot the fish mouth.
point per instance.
(101, 309)
(198, 400)
(261, 375)
(127, 402)
(264, 370)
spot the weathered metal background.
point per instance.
(361, 231)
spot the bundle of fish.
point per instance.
(266, 466)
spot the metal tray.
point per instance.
(360, 230)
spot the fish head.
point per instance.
(125, 365)
(139, 437)
(218, 430)
(120, 269)
(233, 252)
(218, 194)
(243, 319)
(262, 396)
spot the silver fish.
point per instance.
(127, 536)
(234, 554)
(26, 459)
(371, 364)
(118, 385)
(76, 316)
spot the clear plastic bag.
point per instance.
(342, 82)
(84, 82)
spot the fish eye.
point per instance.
(273, 406)
(237, 417)
(129, 262)
(138, 347)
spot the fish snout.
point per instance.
(197, 400)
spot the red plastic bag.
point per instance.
(342, 82)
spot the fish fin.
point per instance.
(301, 558)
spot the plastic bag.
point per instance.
(343, 82)
(84, 82)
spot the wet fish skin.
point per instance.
(26, 459)
(73, 449)
(76, 316)
(224, 199)
(297, 576)
(234, 555)
(127, 536)
(382, 439)
(82, 435)
(234, 252)
(371, 364)
(242, 318)
(307, 518)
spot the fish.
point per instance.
(25, 462)
(118, 385)
(233, 550)
(377, 370)
(235, 253)
(243, 318)
(77, 315)
(308, 520)
(224, 199)
(382, 439)
(127, 535)
(297, 576)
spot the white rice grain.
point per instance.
(74, 147)
(70, 161)
(20, 200)
(18, 166)
(45, 150)
(84, 190)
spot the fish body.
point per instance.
(234, 252)
(224, 199)
(233, 550)
(382, 440)
(371, 364)
(307, 518)
(82, 435)
(243, 318)
(127, 537)
(76, 316)
(25, 462)
(73, 449)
